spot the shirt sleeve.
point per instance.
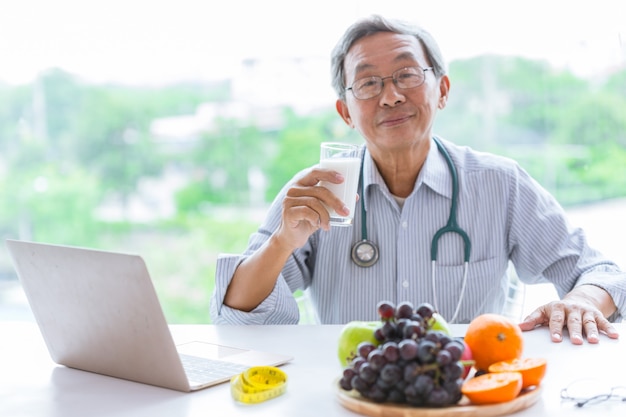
(544, 246)
(280, 307)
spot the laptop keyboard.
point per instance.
(205, 370)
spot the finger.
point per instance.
(534, 319)
(316, 175)
(575, 326)
(322, 195)
(590, 326)
(556, 321)
(309, 209)
(606, 327)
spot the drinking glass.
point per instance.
(346, 159)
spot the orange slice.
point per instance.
(493, 388)
(532, 369)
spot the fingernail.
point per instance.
(592, 337)
(556, 336)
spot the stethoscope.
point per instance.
(365, 253)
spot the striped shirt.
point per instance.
(507, 215)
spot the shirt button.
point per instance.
(405, 225)
(405, 284)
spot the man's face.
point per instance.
(396, 118)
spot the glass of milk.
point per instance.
(346, 159)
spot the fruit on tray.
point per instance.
(353, 334)
(493, 338)
(414, 359)
(493, 388)
(532, 369)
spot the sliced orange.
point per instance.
(532, 369)
(493, 388)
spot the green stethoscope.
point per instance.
(365, 253)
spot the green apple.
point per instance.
(437, 322)
(351, 335)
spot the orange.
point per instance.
(532, 369)
(493, 388)
(493, 338)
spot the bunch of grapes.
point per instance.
(413, 364)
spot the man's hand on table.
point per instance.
(582, 311)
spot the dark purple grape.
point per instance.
(408, 349)
(378, 334)
(444, 339)
(377, 394)
(386, 310)
(349, 373)
(359, 384)
(438, 397)
(396, 395)
(443, 358)
(424, 384)
(415, 401)
(376, 360)
(404, 310)
(367, 373)
(400, 324)
(413, 330)
(357, 363)
(389, 330)
(391, 352)
(391, 373)
(401, 385)
(364, 349)
(416, 317)
(425, 310)
(384, 384)
(436, 337)
(453, 371)
(410, 371)
(345, 383)
(426, 351)
(454, 389)
(456, 349)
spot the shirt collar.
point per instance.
(434, 174)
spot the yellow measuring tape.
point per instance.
(258, 384)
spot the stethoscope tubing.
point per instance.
(365, 253)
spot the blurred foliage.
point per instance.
(70, 150)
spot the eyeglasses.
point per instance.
(588, 392)
(405, 78)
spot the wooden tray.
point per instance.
(354, 402)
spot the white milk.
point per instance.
(347, 190)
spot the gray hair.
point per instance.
(375, 24)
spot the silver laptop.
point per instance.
(98, 311)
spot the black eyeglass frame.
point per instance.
(381, 81)
(595, 399)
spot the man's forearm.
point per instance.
(256, 276)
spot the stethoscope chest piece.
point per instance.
(364, 253)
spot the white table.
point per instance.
(32, 385)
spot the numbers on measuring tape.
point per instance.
(258, 384)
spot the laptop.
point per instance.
(98, 311)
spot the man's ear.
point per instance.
(444, 90)
(343, 111)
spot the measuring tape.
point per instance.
(258, 384)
